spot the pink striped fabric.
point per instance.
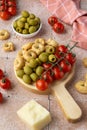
(70, 13)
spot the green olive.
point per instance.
(32, 16)
(26, 26)
(20, 24)
(15, 24)
(38, 19)
(32, 29)
(34, 76)
(27, 69)
(39, 70)
(25, 13)
(33, 63)
(20, 73)
(37, 26)
(33, 22)
(50, 49)
(38, 61)
(25, 31)
(19, 30)
(23, 19)
(28, 19)
(43, 57)
(26, 78)
(52, 58)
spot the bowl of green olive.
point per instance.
(26, 25)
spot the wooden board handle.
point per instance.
(70, 107)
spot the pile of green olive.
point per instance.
(27, 23)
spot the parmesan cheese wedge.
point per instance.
(34, 115)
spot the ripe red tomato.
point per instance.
(65, 66)
(47, 77)
(62, 48)
(52, 20)
(1, 74)
(2, 2)
(46, 65)
(5, 83)
(11, 3)
(71, 58)
(12, 10)
(41, 84)
(5, 15)
(3, 7)
(58, 27)
(1, 97)
(7, 9)
(58, 74)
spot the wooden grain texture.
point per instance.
(18, 96)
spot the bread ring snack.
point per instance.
(38, 48)
(20, 53)
(84, 62)
(9, 46)
(52, 42)
(29, 54)
(40, 41)
(19, 63)
(4, 34)
(81, 86)
(27, 46)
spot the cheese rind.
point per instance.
(35, 115)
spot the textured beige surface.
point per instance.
(18, 96)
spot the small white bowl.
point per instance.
(26, 35)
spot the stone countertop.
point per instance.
(18, 95)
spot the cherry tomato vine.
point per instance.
(57, 70)
(8, 9)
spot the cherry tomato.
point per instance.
(41, 84)
(46, 65)
(3, 8)
(1, 74)
(71, 58)
(58, 27)
(2, 2)
(7, 9)
(5, 15)
(1, 97)
(12, 10)
(62, 48)
(52, 20)
(47, 77)
(66, 66)
(5, 83)
(58, 73)
(11, 3)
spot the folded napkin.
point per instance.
(70, 13)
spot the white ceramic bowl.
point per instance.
(26, 35)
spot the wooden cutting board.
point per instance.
(58, 88)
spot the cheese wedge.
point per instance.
(34, 115)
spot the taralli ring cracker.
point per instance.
(4, 34)
(81, 86)
(84, 61)
(9, 46)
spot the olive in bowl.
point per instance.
(27, 25)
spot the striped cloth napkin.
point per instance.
(70, 13)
